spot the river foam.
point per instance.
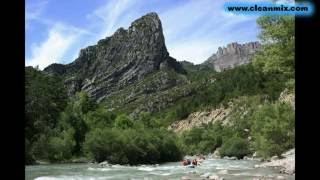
(232, 169)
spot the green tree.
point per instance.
(103, 144)
(278, 49)
(123, 122)
(99, 118)
(148, 120)
(73, 117)
(41, 147)
(45, 98)
(60, 147)
(235, 146)
(273, 129)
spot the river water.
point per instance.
(229, 169)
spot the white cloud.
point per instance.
(180, 18)
(34, 10)
(62, 38)
(110, 16)
(53, 48)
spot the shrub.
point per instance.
(60, 147)
(123, 122)
(99, 118)
(235, 146)
(40, 147)
(101, 144)
(273, 129)
(132, 146)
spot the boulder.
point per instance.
(216, 153)
(104, 164)
(247, 158)
(230, 158)
(214, 177)
(226, 157)
(233, 158)
(273, 158)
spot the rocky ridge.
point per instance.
(232, 55)
(133, 70)
(126, 57)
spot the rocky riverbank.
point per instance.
(286, 163)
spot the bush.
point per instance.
(273, 129)
(40, 148)
(123, 122)
(45, 98)
(60, 147)
(235, 146)
(131, 146)
(101, 144)
(54, 148)
(204, 140)
(99, 118)
(169, 149)
(74, 117)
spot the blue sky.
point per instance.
(56, 30)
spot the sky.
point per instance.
(56, 30)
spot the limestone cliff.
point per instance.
(232, 55)
(124, 58)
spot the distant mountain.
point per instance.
(232, 55)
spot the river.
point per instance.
(229, 169)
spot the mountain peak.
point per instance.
(151, 18)
(232, 55)
(117, 61)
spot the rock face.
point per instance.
(232, 55)
(200, 118)
(221, 113)
(115, 62)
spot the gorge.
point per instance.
(125, 101)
